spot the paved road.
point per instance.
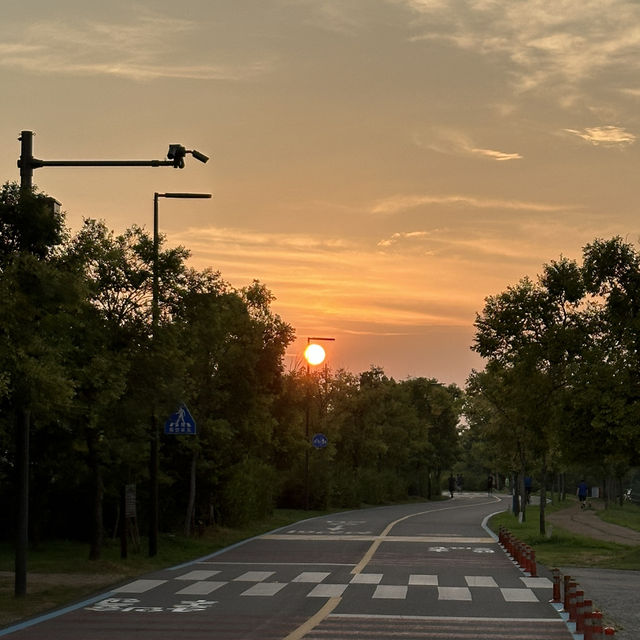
(414, 571)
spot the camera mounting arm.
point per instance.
(27, 163)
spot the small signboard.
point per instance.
(319, 441)
(180, 423)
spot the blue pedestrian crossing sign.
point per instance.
(180, 423)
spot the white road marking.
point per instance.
(480, 581)
(390, 592)
(264, 589)
(367, 578)
(201, 588)
(519, 595)
(197, 575)
(423, 580)
(454, 593)
(140, 586)
(327, 591)
(380, 538)
(312, 576)
(537, 583)
(254, 576)
(381, 616)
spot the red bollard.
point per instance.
(579, 611)
(556, 585)
(572, 601)
(567, 580)
(609, 631)
(588, 619)
(596, 623)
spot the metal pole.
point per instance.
(155, 320)
(153, 458)
(24, 416)
(22, 534)
(26, 161)
(306, 440)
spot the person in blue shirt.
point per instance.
(582, 493)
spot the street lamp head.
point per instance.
(183, 195)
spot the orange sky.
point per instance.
(381, 165)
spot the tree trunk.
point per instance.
(543, 495)
(97, 529)
(22, 525)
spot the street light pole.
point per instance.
(311, 358)
(27, 163)
(155, 317)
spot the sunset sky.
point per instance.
(381, 165)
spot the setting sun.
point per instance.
(314, 354)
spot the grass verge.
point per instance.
(562, 548)
(60, 573)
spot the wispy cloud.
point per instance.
(139, 49)
(609, 136)
(402, 235)
(403, 202)
(457, 143)
(561, 43)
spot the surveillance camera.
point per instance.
(199, 156)
(176, 153)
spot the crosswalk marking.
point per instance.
(254, 576)
(480, 581)
(201, 585)
(201, 588)
(537, 583)
(197, 575)
(312, 576)
(390, 592)
(519, 595)
(454, 593)
(423, 580)
(327, 591)
(366, 578)
(264, 589)
(140, 586)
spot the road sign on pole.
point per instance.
(180, 423)
(319, 441)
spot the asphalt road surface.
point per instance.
(427, 571)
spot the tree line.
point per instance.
(561, 388)
(87, 381)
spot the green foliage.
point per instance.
(560, 389)
(250, 492)
(81, 354)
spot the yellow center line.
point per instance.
(332, 603)
(358, 538)
(315, 620)
(376, 543)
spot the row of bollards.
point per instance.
(577, 610)
(568, 599)
(522, 553)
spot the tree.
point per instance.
(38, 302)
(530, 334)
